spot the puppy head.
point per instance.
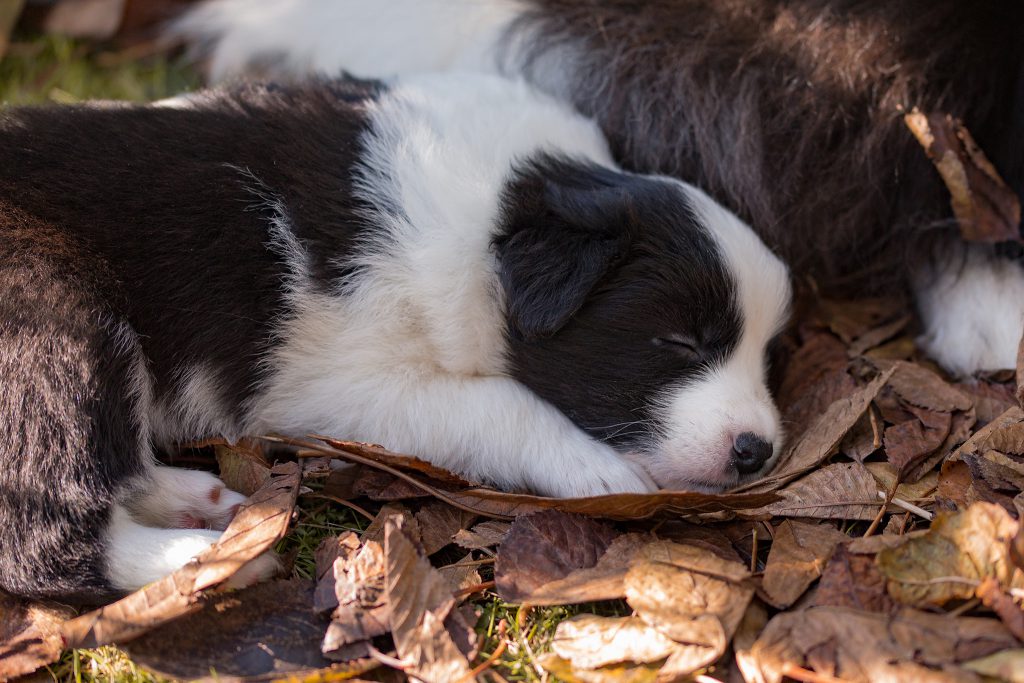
(643, 310)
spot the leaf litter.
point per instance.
(886, 545)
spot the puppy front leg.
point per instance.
(494, 429)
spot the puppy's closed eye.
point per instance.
(685, 346)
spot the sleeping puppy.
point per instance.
(789, 112)
(452, 266)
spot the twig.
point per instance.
(803, 675)
(965, 608)
(498, 651)
(876, 430)
(886, 499)
(342, 501)
(469, 590)
(909, 507)
(753, 550)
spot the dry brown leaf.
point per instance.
(797, 558)
(30, 635)
(261, 633)
(877, 336)
(691, 595)
(623, 672)
(261, 522)
(860, 646)
(242, 467)
(986, 209)
(918, 492)
(588, 641)
(853, 580)
(953, 557)
(491, 503)
(375, 530)
(545, 547)
(462, 574)
(843, 490)
(604, 581)
(991, 399)
(350, 585)
(439, 522)
(823, 439)
(421, 604)
(1006, 666)
(483, 535)
(921, 387)
(909, 443)
(1002, 603)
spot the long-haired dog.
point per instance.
(453, 266)
(787, 111)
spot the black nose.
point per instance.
(750, 452)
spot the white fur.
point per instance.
(704, 417)
(137, 555)
(179, 498)
(418, 337)
(365, 37)
(972, 307)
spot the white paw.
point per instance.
(185, 499)
(590, 468)
(264, 567)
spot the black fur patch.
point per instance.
(605, 273)
(790, 111)
(125, 227)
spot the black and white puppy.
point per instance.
(789, 112)
(452, 266)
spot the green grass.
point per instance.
(49, 69)
(53, 69)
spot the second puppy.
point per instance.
(452, 266)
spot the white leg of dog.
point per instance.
(972, 306)
(487, 428)
(185, 499)
(137, 555)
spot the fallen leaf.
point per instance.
(30, 635)
(953, 557)
(1007, 666)
(797, 558)
(462, 574)
(986, 209)
(823, 439)
(498, 504)
(242, 467)
(921, 387)
(350, 585)
(420, 603)
(853, 580)
(589, 641)
(375, 531)
(843, 490)
(910, 442)
(483, 535)
(260, 633)
(261, 522)
(603, 581)
(439, 522)
(622, 672)
(999, 601)
(547, 546)
(691, 595)
(857, 646)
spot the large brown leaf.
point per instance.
(260, 523)
(797, 557)
(545, 547)
(853, 580)
(822, 439)
(350, 585)
(29, 635)
(949, 561)
(261, 633)
(868, 647)
(844, 490)
(421, 604)
(987, 210)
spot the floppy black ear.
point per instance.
(561, 236)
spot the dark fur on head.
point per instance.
(790, 111)
(623, 270)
